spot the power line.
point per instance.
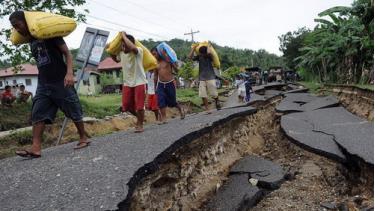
(171, 18)
(129, 27)
(126, 13)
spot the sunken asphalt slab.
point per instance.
(260, 169)
(331, 132)
(237, 193)
(101, 176)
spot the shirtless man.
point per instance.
(165, 87)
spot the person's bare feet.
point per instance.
(138, 129)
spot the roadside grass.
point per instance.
(315, 86)
(101, 105)
(366, 86)
(15, 117)
(189, 95)
(312, 86)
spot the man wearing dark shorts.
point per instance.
(166, 88)
(55, 86)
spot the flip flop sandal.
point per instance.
(27, 154)
(81, 145)
(138, 130)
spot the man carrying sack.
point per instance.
(55, 86)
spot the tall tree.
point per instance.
(340, 48)
(290, 43)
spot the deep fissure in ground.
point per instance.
(196, 171)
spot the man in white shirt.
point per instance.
(134, 78)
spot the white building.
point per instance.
(28, 77)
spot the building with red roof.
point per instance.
(27, 75)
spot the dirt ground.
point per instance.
(313, 179)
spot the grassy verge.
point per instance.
(314, 86)
(15, 117)
(101, 106)
(366, 86)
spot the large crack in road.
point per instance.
(193, 177)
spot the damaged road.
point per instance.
(238, 158)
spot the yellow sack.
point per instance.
(17, 39)
(114, 47)
(215, 57)
(149, 61)
(44, 25)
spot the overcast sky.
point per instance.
(251, 24)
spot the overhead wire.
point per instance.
(130, 15)
(128, 27)
(170, 18)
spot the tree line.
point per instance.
(338, 50)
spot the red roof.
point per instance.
(27, 69)
(108, 64)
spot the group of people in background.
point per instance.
(17, 93)
(159, 83)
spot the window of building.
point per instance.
(86, 82)
(117, 73)
(14, 82)
(28, 82)
(1, 84)
(98, 79)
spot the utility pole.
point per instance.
(192, 34)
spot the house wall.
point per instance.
(93, 86)
(20, 79)
(116, 74)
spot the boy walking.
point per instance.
(152, 99)
(166, 88)
(134, 88)
(55, 86)
(207, 76)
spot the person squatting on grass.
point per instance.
(166, 88)
(134, 78)
(55, 86)
(7, 98)
(207, 76)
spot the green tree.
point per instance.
(290, 43)
(188, 71)
(21, 54)
(231, 72)
(340, 48)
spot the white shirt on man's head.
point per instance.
(132, 68)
